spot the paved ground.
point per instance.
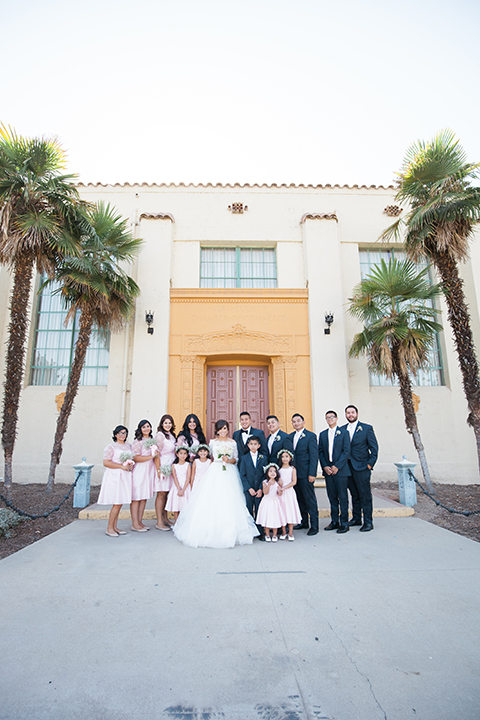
(362, 626)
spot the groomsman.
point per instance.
(333, 452)
(277, 440)
(305, 450)
(241, 436)
(363, 456)
(251, 473)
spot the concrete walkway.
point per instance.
(362, 626)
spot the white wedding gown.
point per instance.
(216, 515)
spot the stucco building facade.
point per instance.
(239, 280)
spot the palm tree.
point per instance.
(395, 304)
(436, 182)
(40, 222)
(95, 287)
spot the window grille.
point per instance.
(238, 268)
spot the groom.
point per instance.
(244, 432)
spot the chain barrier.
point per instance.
(45, 514)
(466, 513)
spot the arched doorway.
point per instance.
(232, 389)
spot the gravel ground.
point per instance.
(35, 500)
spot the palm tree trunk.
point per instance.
(411, 418)
(459, 319)
(81, 346)
(15, 358)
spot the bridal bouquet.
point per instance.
(166, 470)
(223, 449)
(150, 443)
(126, 458)
(193, 448)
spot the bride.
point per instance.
(216, 514)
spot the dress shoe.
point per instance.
(301, 527)
(110, 534)
(261, 537)
(353, 522)
(343, 529)
(312, 532)
(366, 527)
(332, 526)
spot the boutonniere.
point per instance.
(302, 435)
(338, 433)
(260, 456)
(359, 428)
(277, 438)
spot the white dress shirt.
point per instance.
(271, 440)
(254, 458)
(331, 438)
(297, 438)
(351, 428)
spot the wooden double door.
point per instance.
(232, 389)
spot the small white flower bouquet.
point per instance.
(223, 449)
(193, 448)
(126, 458)
(150, 443)
(166, 470)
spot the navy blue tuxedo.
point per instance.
(305, 461)
(336, 484)
(243, 449)
(340, 454)
(252, 477)
(282, 441)
(363, 452)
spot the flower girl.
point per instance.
(270, 511)
(288, 496)
(201, 464)
(181, 472)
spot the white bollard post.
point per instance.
(407, 490)
(81, 493)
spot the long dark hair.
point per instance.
(160, 425)
(118, 429)
(221, 423)
(185, 431)
(138, 431)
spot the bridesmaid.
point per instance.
(165, 439)
(191, 434)
(143, 474)
(117, 479)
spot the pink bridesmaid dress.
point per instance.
(144, 473)
(116, 483)
(270, 511)
(166, 447)
(174, 502)
(289, 498)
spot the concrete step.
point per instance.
(382, 507)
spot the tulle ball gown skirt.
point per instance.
(216, 515)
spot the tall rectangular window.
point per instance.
(238, 268)
(54, 346)
(432, 375)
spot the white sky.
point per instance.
(284, 91)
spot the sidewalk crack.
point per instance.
(357, 668)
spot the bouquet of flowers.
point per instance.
(126, 458)
(150, 443)
(193, 448)
(223, 449)
(166, 470)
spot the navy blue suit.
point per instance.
(336, 484)
(363, 452)
(306, 461)
(282, 441)
(243, 449)
(252, 478)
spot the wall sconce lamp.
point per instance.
(329, 318)
(149, 321)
